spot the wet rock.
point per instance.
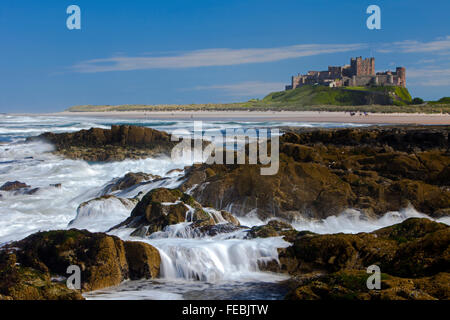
(309, 188)
(163, 207)
(18, 282)
(143, 260)
(131, 179)
(351, 285)
(115, 144)
(202, 218)
(323, 172)
(273, 228)
(104, 260)
(213, 230)
(412, 255)
(32, 191)
(158, 208)
(416, 247)
(13, 186)
(173, 171)
(139, 232)
(405, 138)
(230, 218)
(17, 188)
(100, 257)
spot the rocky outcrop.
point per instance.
(17, 188)
(351, 285)
(411, 255)
(401, 138)
(273, 228)
(13, 185)
(104, 261)
(18, 282)
(115, 144)
(143, 260)
(416, 247)
(323, 172)
(131, 179)
(163, 207)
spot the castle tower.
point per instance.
(372, 66)
(401, 74)
(360, 67)
(355, 65)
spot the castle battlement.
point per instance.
(360, 72)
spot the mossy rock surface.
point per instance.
(413, 257)
(116, 144)
(162, 207)
(323, 172)
(416, 247)
(103, 260)
(352, 285)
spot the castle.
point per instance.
(360, 72)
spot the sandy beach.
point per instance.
(294, 116)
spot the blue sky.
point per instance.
(179, 52)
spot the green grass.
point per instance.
(444, 100)
(388, 99)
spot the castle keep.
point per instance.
(360, 72)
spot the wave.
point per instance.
(214, 260)
(349, 221)
(51, 207)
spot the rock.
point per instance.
(317, 192)
(115, 144)
(100, 257)
(143, 260)
(163, 207)
(18, 187)
(162, 216)
(202, 218)
(156, 210)
(323, 172)
(412, 256)
(173, 171)
(213, 230)
(351, 285)
(409, 230)
(18, 282)
(32, 191)
(139, 232)
(230, 218)
(404, 138)
(13, 185)
(131, 179)
(416, 247)
(104, 260)
(273, 228)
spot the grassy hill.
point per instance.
(444, 100)
(345, 96)
(307, 98)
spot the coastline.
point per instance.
(291, 116)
